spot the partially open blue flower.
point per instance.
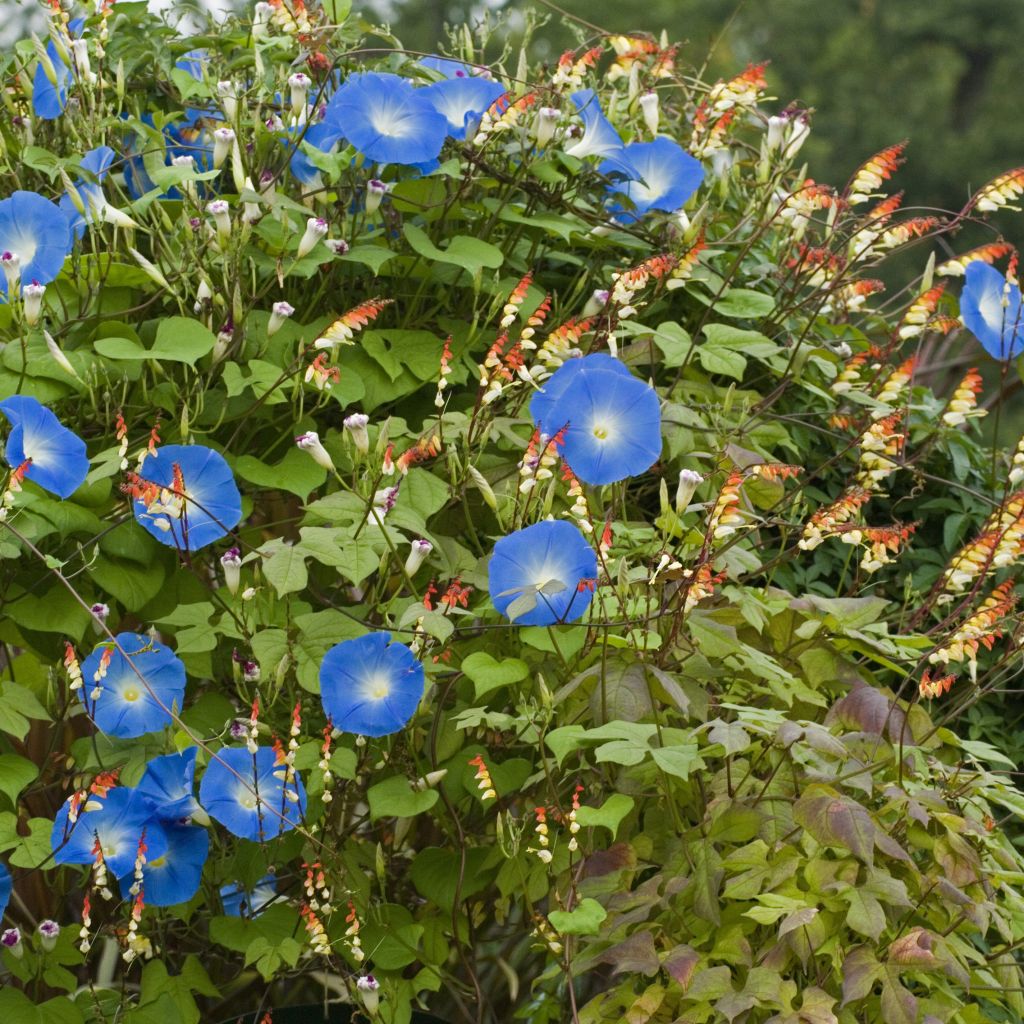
(241, 902)
(370, 686)
(49, 100)
(666, 177)
(127, 706)
(208, 508)
(118, 820)
(462, 101)
(96, 162)
(543, 575)
(35, 232)
(247, 793)
(386, 119)
(599, 137)
(59, 463)
(174, 876)
(546, 405)
(991, 309)
(323, 136)
(446, 66)
(6, 886)
(168, 784)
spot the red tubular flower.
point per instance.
(869, 176)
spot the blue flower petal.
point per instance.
(599, 137)
(322, 136)
(119, 822)
(544, 404)
(446, 66)
(462, 101)
(168, 784)
(667, 177)
(229, 791)
(38, 232)
(534, 557)
(126, 706)
(386, 119)
(97, 162)
(174, 876)
(241, 902)
(49, 100)
(59, 462)
(370, 686)
(6, 886)
(999, 327)
(213, 505)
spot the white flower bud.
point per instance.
(299, 84)
(316, 230)
(80, 52)
(597, 301)
(337, 245)
(11, 264)
(547, 122)
(777, 125)
(310, 442)
(649, 108)
(228, 99)
(231, 563)
(356, 426)
(32, 299)
(278, 315)
(262, 14)
(688, 481)
(418, 551)
(58, 356)
(223, 138)
(376, 190)
(220, 212)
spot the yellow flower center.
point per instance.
(131, 694)
(601, 433)
(378, 687)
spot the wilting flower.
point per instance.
(461, 100)
(58, 462)
(599, 137)
(370, 686)
(6, 886)
(542, 575)
(241, 902)
(111, 827)
(990, 305)
(174, 876)
(35, 237)
(126, 705)
(168, 783)
(186, 496)
(666, 176)
(386, 119)
(248, 794)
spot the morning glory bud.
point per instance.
(688, 481)
(59, 358)
(356, 426)
(151, 270)
(32, 299)
(231, 563)
(48, 932)
(316, 229)
(547, 122)
(80, 52)
(100, 613)
(11, 941)
(376, 190)
(203, 295)
(280, 312)
(418, 551)
(369, 987)
(310, 442)
(222, 140)
(262, 13)
(251, 671)
(649, 108)
(798, 132)
(11, 264)
(299, 84)
(337, 245)
(228, 99)
(597, 301)
(220, 212)
(777, 125)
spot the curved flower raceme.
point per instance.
(50, 98)
(543, 575)
(168, 784)
(612, 420)
(6, 887)
(186, 496)
(126, 706)
(386, 119)
(991, 309)
(174, 876)
(119, 820)
(666, 176)
(241, 902)
(370, 686)
(58, 460)
(96, 162)
(35, 238)
(462, 100)
(249, 794)
(599, 137)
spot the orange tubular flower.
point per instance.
(700, 584)
(881, 444)
(892, 391)
(562, 341)
(980, 630)
(964, 403)
(935, 687)
(775, 470)
(900, 234)
(881, 542)
(425, 448)
(999, 192)
(515, 300)
(957, 266)
(920, 312)
(483, 778)
(725, 517)
(829, 520)
(687, 262)
(344, 329)
(869, 177)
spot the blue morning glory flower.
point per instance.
(118, 820)
(599, 137)
(543, 575)
(545, 405)
(386, 119)
(446, 66)
(666, 177)
(97, 162)
(37, 233)
(209, 507)
(248, 795)
(192, 63)
(370, 686)
(614, 426)
(59, 463)
(462, 101)
(6, 886)
(999, 327)
(49, 100)
(322, 136)
(173, 876)
(126, 706)
(168, 784)
(241, 902)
